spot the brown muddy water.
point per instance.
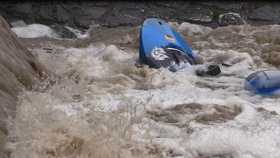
(102, 104)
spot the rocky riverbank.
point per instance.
(114, 14)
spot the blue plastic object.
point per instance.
(264, 82)
(156, 34)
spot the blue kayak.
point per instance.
(161, 46)
(264, 82)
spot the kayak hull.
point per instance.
(264, 82)
(156, 33)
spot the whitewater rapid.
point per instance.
(101, 103)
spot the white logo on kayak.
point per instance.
(159, 54)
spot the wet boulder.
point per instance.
(264, 12)
(230, 19)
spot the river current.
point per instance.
(102, 103)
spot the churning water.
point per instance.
(101, 103)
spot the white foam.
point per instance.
(78, 33)
(71, 110)
(191, 29)
(34, 31)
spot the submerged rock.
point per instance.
(63, 32)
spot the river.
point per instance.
(101, 103)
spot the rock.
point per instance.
(160, 10)
(55, 13)
(84, 22)
(126, 17)
(19, 70)
(85, 17)
(19, 23)
(84, 14)
(197, 14)
(262, 13)
(46, 12)
(101, 3)
(171, 4)
(222, 5)
(63, 32)
(230, 19)
(24, 9)
(113, 20)
(277, 12)
(62, 15)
